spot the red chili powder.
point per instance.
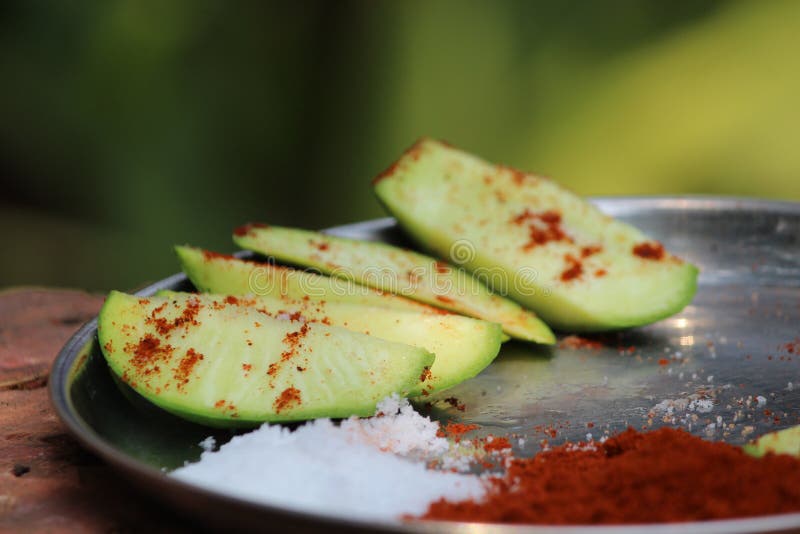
(293, 341)
(426, 374)
(147, 352)
(792, 347)
(247, 228)
(211, 255)
(649, 251)
(577, 342)
(665, 475)
(455, 430)
(412, 152)
(516, 175)
(496, 444)
(185, 367)
(542, 228)
(289, 398)
(573, 270)
(590, 250)
(187, 317)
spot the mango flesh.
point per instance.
(224, 364)
(218, 273)
(786, 441)
(463, 346)
(546, 248)
(394, 270)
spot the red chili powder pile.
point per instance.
(665, 475)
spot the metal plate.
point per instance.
(727, 350)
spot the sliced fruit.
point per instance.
(230, 365)
(226, 275)
(554, 252)
(394, 270)
(463, 346)
(786, 441)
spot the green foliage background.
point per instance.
(127, 126)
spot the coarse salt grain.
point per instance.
(208, 444)
(372, 468)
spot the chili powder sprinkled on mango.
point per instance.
(426, 374)
(147, 353)
(543, 228)
(187, 317)
(517, 176)
(293, 341)
(185, 367)
(413, 152)
(289, 398)
(247, 228)
(573, 270)
(590, 250)
(209, 255)
(649, 250)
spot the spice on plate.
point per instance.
(665, 475)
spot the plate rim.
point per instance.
(143, 473)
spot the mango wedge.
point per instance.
(223, 364)
(545, 247)
(394, 270)
(463, 346)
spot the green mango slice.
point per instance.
(223, 364)
(542, 245)
(394, 270)
(463, 346)
(212, 272)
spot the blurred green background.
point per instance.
(127, 126)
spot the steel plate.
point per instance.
(727, 349)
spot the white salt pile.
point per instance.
(373, 469)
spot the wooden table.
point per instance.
(48, 483)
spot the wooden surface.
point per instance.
(47, 482)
